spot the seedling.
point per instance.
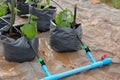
(39, 3)
(29, 29)
(12, 19)
(12, 9)
(65, 18)
(16, 43)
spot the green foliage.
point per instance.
(15, 9)
(64, 18)
(3, 9)
(47, 4)
(10, 6)
(106, 1)
(29, 29)
(39, 3)
(29, 15)
(46, 7)
(114, 3)
(34, 17)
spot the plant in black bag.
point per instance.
(44, 13)
(38, 3)
(29, 29)
(3, 14)
(64, 18)
(23, 6)
(63, 32)
(16, 47)
(5, 9)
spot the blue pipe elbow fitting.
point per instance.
(107, 61)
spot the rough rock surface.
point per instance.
(101, 32)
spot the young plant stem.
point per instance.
(75, 13)
(29, 17)
(12, 19)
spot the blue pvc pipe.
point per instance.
(106, 61)
(45, 69)
(89, 54)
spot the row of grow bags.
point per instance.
(62, 39)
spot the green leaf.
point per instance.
(29, 29)
(46, 7)
(34, 17)
(39, 4)
(16, 10)
(48, 2)
(3, 9)
(29, 15)
(9, 6)
(26, 15)
(64, 18)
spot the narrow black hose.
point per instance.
(57, 4)
(35, 53)
(29, 42)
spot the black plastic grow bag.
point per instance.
(24, 9)
(6, 18)
(63, 39)
(44, 17)
(17, 50)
